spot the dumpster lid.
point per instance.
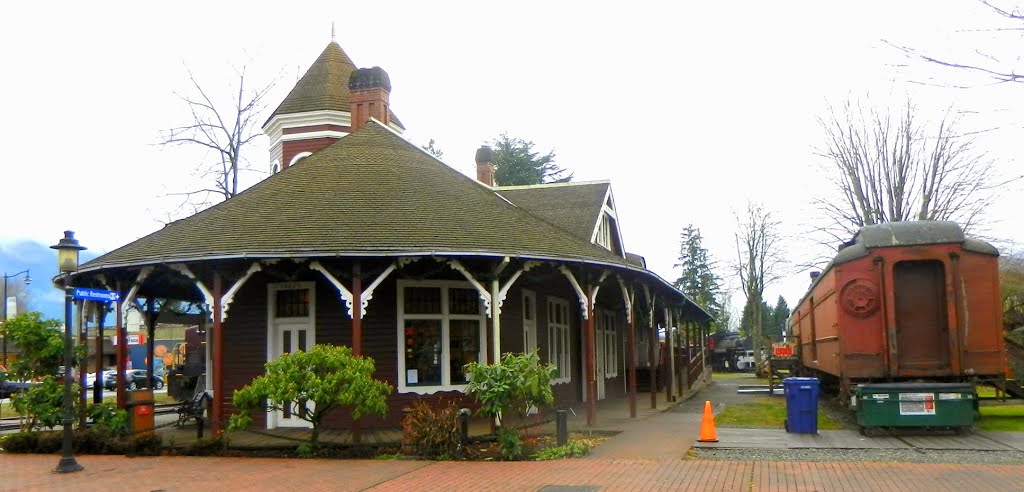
(913, 387)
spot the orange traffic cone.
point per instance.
(707, 425)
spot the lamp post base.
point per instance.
(67, 465)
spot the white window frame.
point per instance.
(604, 232)
(611, 343)
(445, 317)
(559, 331)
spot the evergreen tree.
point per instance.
(747, 320)
(516, 164)
(697, 280)
(779, 318)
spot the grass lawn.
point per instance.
(1001, 418)
(764, 412)
(6, 410)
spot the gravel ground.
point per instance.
(723, 393)
(877, 455)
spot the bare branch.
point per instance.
(224, 132)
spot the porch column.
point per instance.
(150, 333)
(652, 348)
(684, 376)
(122, 341)
(627, 297)
(588, 361)
(218, 358)
(496, 318)
(631, 360)
(97, 383)
(357, 312)
(670, 342)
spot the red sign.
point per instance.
(786, 351)
(144, 410)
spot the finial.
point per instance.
(332, 32)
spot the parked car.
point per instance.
(90, 378)
(134, 379)
(8, 387)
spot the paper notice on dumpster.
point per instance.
(917, 404)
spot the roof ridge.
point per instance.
(554, 185)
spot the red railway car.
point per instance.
(904, 301)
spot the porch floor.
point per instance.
(612, 417)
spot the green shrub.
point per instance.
(327, 376)
(207, 446)
(431, 432)
(513, 386)
(510, 443)
(305, 450)
(571, 449)
(108, 418)
(42, 404)
(145, 445)
(21, 442)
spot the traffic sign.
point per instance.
(84, 294)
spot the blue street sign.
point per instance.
(96, 295)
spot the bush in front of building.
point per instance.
(512, 387)
(89, 441)
(311, 385)
(432, 432)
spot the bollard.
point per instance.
(464, 424)
(562, 427)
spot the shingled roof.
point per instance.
(370, 193)
(574, 207)
(324, 86)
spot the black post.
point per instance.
(464, 424)
(4, 320)
(562, 427)
(67, 462)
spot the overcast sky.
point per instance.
(690, 109)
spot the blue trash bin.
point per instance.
(801, 404)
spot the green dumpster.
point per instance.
(915, 405)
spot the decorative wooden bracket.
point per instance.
(229, 296)
(134, 290)
(346, 295)
(367, 294)
(579, 290)
(480, 289)
(627, 297)
(503, 292)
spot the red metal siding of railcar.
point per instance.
(984, 351)
(950, 329)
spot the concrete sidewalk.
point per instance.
(115, 473)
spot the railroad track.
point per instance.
(7, 424)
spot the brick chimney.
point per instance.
(369, 89)
(485, 165)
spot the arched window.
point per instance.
(299, 157)
(275, 166)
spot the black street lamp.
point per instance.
(3, 319)
(67, 263)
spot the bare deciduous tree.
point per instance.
(987, 64)
(224, 130)
(758, 261)
(886, 167)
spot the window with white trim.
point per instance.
(558, 338)
(604, 232)
(608, 330)
(440, 330)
